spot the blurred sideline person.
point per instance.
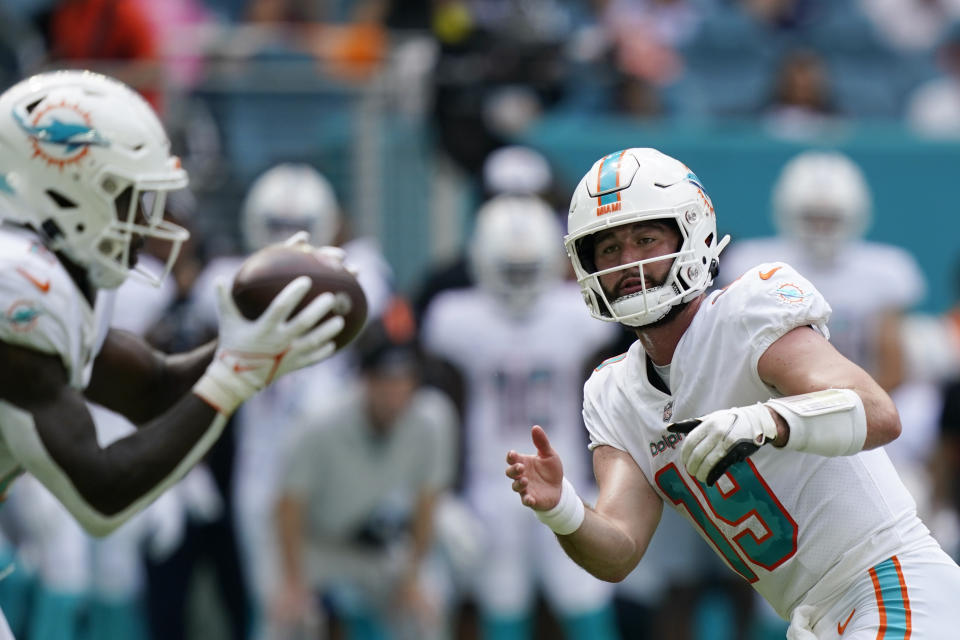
(503, 336)
(84, 172)
(818, 522)
(286, 199)
(357, 501)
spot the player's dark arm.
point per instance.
(139, 382)
(48, 429)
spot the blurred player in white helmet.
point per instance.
(503, 336)
(733, 408)
(85, 167)
(285, 199)
(822, 207)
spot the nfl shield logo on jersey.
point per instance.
(668, 411)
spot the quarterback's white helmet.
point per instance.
(637, 185)
(822, 199)
(82, 158)
(288, 198)
(515, 252)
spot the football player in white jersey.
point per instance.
(502, 336)
(735, 409)
(85, 167)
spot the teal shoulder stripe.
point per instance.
(611, 361)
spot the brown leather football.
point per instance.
(265, 273)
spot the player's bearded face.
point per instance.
(628, 281)
(632, 243)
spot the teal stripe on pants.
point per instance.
(892, 600)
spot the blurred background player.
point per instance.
(508, 336)
(360, 481)
(286, 199)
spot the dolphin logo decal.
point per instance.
(69, 135)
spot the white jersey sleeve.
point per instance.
(42, 307)
(766, 302)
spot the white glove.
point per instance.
(252, 353)
(722, 438)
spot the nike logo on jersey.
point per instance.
(43, 285)
(769, 274)
(843, 627)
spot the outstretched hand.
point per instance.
(537, 477)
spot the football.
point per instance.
(266, 272)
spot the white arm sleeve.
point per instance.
(20, 433)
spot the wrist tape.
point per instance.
(223, 389)
(568, 515)
(829, 423)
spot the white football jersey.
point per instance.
(867, 279)
(44, 310)
(518, 372)
(797, 526)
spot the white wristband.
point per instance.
(568, 515)
(829, 423)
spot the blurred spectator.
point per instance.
(501, 66)
(21, 47)
(781, 15)
(933, 109)
(645, 35)
(361, 480)
(503, 336)
(111, 32)
(802, 102)
(179, 42)
(912, 25)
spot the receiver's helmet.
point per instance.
(85, 162)
(637, 185)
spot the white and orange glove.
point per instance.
(253, 353)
